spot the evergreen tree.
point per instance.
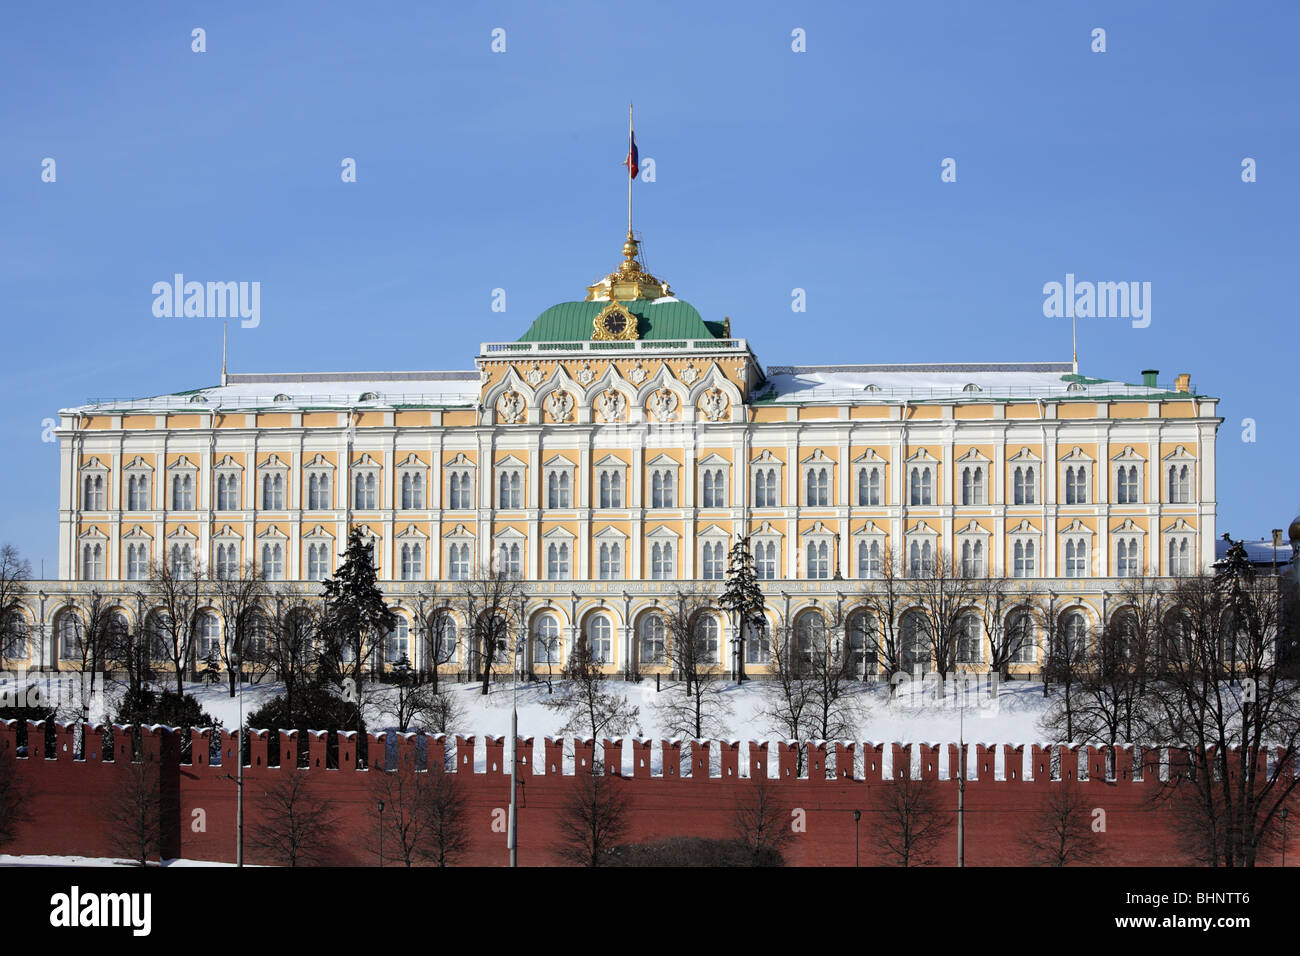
(742, 597)
(354, 617)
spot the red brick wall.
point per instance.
(685, 797)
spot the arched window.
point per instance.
(715, 492)
(1076, 485)
(661, 489)
(1126, 487)
(318, 561)
(69, 630)
(412, 490)
(715, 561)
(1180, 484)
(968, 639)
(662, 567)
(1128, 555)
(546, 639)
(915, 642)
(1021, 641)
(972, 559)
(557, 561)
(93, 496)
(611, 561)
(611, 489)
(1072, 639)
(869, 560)
(182, 492)
(398, 645)
(508, 559)
(869, 486)
(765, 489)
(758, 645)
(92, 561)
(810, 637)
(765, 560)
(1024, 559)
(137, 493)
(182, 562)
(707, 638)
(443, 641)
(653, 643)
(318, 491)
(13, 636)
(208, 648)
(920, 559)
(819, 484)
(818, 560)
(972, 485)
(1180, 556)
(273, 562)
(600, 639)
(1023, 485)
(862, 639)
(1076, 557)
(273, 492)
(412, 561)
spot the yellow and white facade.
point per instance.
(612, 455)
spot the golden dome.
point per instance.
(629, 282)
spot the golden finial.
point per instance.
(629, 282)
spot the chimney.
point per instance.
(1149, 377)
(1183, 383)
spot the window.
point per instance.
(758, 647)
(364, 490)
(412, 490)
(920, 559)
(1180, 484)
(92, 498)
(1128, 554)
(460, 491)
(1072, 640)
(765, 556)
(137, 493)
(69, 636)
(972, 559)
(766, 492)
(458, 562)
(706, 636)
(715, 489)
(508, 559)
(272, 562)
(137, 562)
(611, 488)
(915, 641)
(1126, 485)
(869, 486)
(510, 490)
(819, 487)
(1021, 643)
(13, 636)
(1180, 556)
(209, 645)
(818, 560)
(600, 639)
(227, 562)
(715, 561)
(862, 640)
(442, 639)
(557, 561)
(546, 640)
(1076, 485)
(662, 567)
(1023, 484)
(182, 561)
(183, 492)
(1023, 558)
(92, 561)
(398, 645)
(922, 486)
(869, 558)
(652, 639)
(557, 490)
(1076, 557)
(810, 636)
(273, 492)
(611, 561)
(661, 488)
(228, 492)
(968, 639)
(318, 561)
(972, 485)
(412, 561)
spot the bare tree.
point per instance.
(241, 599)
(812, 694)
(447, 814)
(593, 819)
(133, 812)
(886, 597)
(178, 589)
(701, 708)
(1064, 654)
(944, 598)
(789, 694)
(94, 628)
(761, 822)
(910, 821)
(491, 600)
(436, 626)
(15, 572)
(1060, 832)
(290, 628)
(1109, 702)
(589, 707)
(15, 798)
(425, 815)
(1008, 622)
(296, 824)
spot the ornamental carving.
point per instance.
(714, 405)
(535, 375)
(662, 404)
(638, 374)
(585, 374)
(690, 374)
(560, 405)
(612, 406)
(511, 407)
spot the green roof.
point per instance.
(572, 322)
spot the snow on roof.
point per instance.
(1259, 552)
(962, 382)
(312, 390)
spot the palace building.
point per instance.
(611, 455)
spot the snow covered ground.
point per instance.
(41, 860)
(916, 714)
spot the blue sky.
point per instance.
(775, 170)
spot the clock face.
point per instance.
(615, 322)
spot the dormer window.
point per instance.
(282, 398)
(971, 387)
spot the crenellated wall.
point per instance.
(676, 788)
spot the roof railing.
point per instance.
(617, 345)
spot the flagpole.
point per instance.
(629, 169)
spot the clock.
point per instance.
(614, 322)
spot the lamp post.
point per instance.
(239, 764)
(1284, 809)
(513, 836)
(379, 804)
(961, 783)
(857, 815)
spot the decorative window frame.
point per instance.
(411, 535)
(94, 469)
(227, 468)
(462, 466)
(610, 465)
(93, 538)
(713, 536)
(921, 532)
(181, 537)
(816, 461)
(273, 466)
(458, 536)
(767, 534)
(764, 462)
(137, 536)
(317, 536)
(863, 464)
(138, 468)
(271, 537)
(1076, 531)
(609, 535)
(508, 467)
(1179, 531)
(916, 463)
(411, 465)
(1128, 458)
(1077, 458)
(870, 533)
(184, 468)
(511, 537)
(975, 460)
(661, 535)
(559, 536)
(224, 538)
(365, 465)
(315, 468)
(819, 534)
(1024, 533)
(1025, 458)
(972, 534)
(558, 465)
(662, 462)
(1127, 530)
(712, 463)
(1178, 457)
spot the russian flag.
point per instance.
(633, 157)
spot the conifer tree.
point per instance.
(742, 597)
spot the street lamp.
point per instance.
(857, 815)
(380, 805)
(1284, 809)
